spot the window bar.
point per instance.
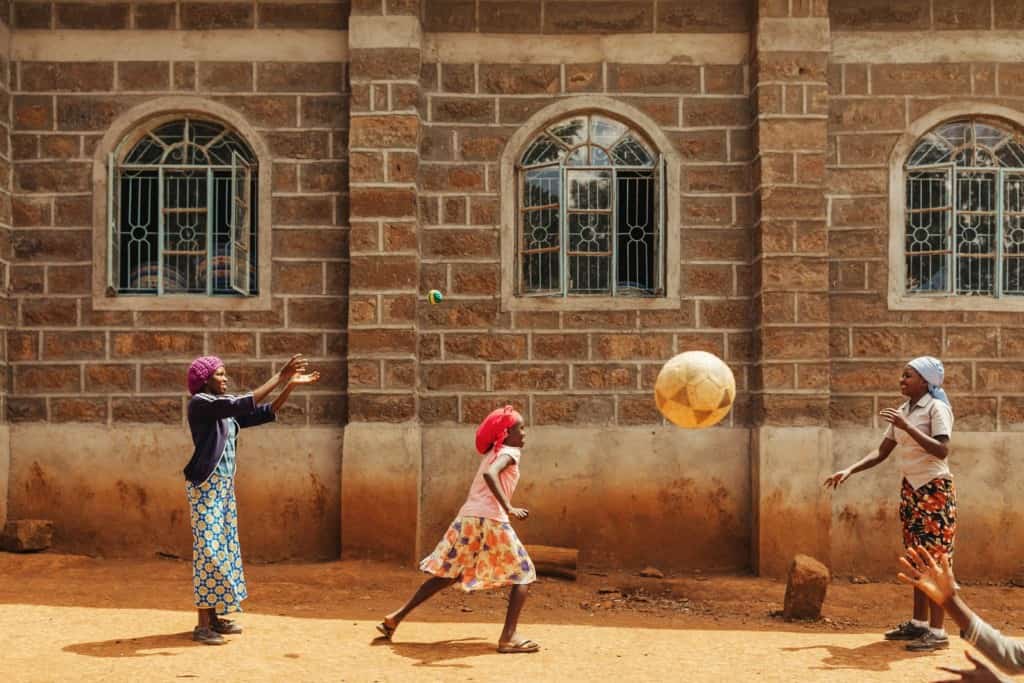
(520, 235)
(954, 199)
(112, 222)
(659, 285)
(209, 230)
(613, 228)
(160, 233)
(998, 286)
(563, 230)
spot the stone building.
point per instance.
(814, 190)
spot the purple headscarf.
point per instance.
(200, 372)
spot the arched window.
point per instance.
(590, 211)
(964, 218)
(182, 211)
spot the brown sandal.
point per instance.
(519, 646)
(385, 630)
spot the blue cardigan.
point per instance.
(209, 419)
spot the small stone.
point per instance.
(1018, 580)
(860, 579)
(805, 588)
(466, 608)
(652, 573)
(27, 535)
(604, 590)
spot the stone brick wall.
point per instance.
(587, 16)
(186, 16)
(6, 317)
(871, 107)
(70, 362)
(575, 367)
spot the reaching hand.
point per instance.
(895, 418)
(519, 513)
(981, 673)
(295, 365)
(310, 378)
(935, 580)
(838, 478)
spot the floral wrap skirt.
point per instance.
(218, 581)
(928, 514)
(482, 553)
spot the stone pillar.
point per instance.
(381, 460)
(791, 449)
(7, 316)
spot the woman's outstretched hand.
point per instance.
(296, 365)
(836, 479)
(308, 378)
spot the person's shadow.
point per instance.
(877, 656)
(433, 654)
(146, 646)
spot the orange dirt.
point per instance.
(68, 616)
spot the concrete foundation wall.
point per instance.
(5, 470)
(119, 491)
(866, 537)
(623, 496)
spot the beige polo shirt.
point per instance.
(917, 465)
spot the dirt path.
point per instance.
(68, 617)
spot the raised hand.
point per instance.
(895, 418)
(836, 479)
(310, 378)
(981, 673)
(295, 365)
(934, 579)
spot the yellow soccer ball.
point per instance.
(695, 390)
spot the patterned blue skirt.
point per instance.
(217, 577)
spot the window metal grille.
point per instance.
(965, 211)
(591, 206)
(182, 212)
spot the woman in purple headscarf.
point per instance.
(919, 432)
(214, 418)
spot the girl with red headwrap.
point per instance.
(480, 549)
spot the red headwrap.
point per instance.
(492, 431)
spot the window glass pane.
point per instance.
(544, 150)
(630, 152)
(605, 132)
(578, 157)
(589, 253)
(1013, 234)
(927, 223)
(975, 232)
(636, 236)
(572, 132)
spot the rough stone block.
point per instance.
(26, 535)
(805, 588)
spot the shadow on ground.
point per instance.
(144, 646)
(434, 654)
(871, 657)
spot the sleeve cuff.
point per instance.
(970, 634)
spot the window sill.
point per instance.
(182, 302)
(958, 302)
(586, 303)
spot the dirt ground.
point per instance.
(72, 617)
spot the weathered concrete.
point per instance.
(866, 536)
(380, 481)
(5, 470)
(791, 509)
(118, 491)
(624, 496)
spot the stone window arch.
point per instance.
(589, 219)
(179, 215)
(957, 231)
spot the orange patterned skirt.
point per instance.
(482, 553)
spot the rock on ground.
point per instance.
(26, 535)
(805, 588)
